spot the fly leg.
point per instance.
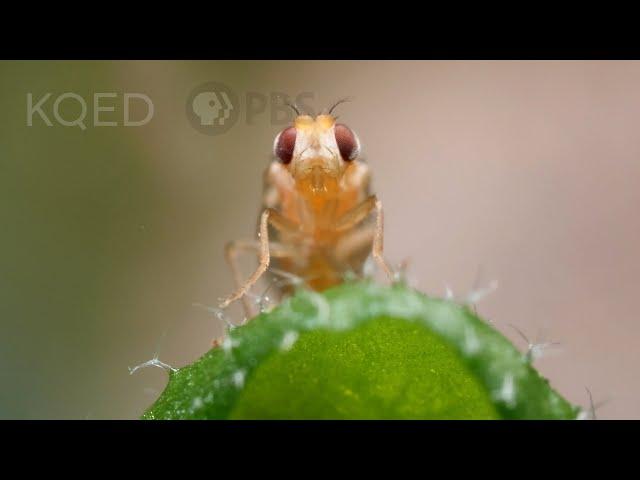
(268, 217)
(353, 249)
(231, 252)
(378, 241)
(358, 214)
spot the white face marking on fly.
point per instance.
(316, 148)
(313, 144)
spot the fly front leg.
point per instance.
(356, 216)
(268, 217)
(232, 251)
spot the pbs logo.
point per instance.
(212, 108)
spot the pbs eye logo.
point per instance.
(212, 108)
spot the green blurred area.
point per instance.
(71, 204)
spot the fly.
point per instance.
(319, 220)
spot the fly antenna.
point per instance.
(293, 107)
(339, 102)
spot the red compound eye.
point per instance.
(284, 144)
(347, 141)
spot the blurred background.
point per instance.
(526, 171)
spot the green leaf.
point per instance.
(362, 351)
